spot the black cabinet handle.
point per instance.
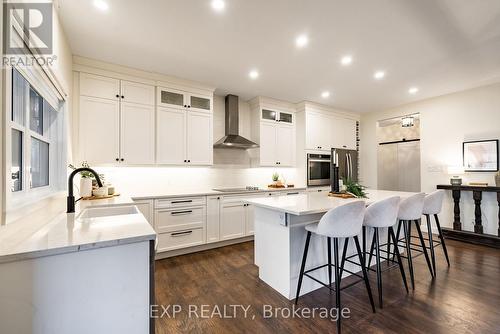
(122, 159)
(189, 160)
(117, 159)
(186, 201)
(189, 106)
(118, 96)
(185, 106)
(178, 213)
(185, 161)
(178, 234)
(123, 97)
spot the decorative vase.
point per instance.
(497, 180)
(85, 187)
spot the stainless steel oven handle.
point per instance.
(319, 160)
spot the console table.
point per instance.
(477, 236)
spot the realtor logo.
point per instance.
(27, 25)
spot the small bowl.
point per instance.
(100, 192)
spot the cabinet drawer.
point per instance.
(179, 202)
(180, 239)
(178, 219)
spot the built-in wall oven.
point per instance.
(318, 170)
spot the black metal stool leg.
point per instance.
(364, 246)
(400, 263)
(397, 238)
(424, 248)
(379, 267)
(431, 243)
(329, 243)
(443, 244)
(388, 247)
(302, 266)
(344, 254)
(407, 232)
(337, 283)
(372, 248)
(365, 275)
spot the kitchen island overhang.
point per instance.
(280, 237)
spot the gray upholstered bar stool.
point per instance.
(383, 215)
(343, 222)
(410, 211)
(433, 204)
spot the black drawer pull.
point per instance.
(292, 193)
(178, 213)
(178, 234)
(178, 202)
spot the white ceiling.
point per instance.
(440, 46)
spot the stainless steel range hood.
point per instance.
(232, 139)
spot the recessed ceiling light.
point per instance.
(325, 94)
(218, 5)
(301, 41)
(413, 90)
(101, 5)
(253, 74)
(346, 60)
(379, 75)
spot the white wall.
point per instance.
(446, 122)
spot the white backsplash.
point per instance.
(129, 179)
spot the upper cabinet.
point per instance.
(273, 127)
(129, 122)
(116, 121)
(325, 131)
(169, 97)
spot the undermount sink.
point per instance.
(108, 212)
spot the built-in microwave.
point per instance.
(318, 170)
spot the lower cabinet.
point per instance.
(232, 220)
(181, 239)
(213, 218)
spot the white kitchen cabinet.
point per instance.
(285, 150)
(116, 121)
(137, 133)
(232, 220)
(135, 92)
(213, 218)
(249, 220)
(277, 144)
(99, 86)
(175, 98)
(171, 136)
(99, 130)
(199, 138)
(319, 131)
(268, 115)
(268, 133)
(324, 132)
(184, 137)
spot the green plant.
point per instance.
(84, 174)
(276, 176)
(355, 188)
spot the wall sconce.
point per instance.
(407, 121)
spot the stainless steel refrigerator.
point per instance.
(347, 161)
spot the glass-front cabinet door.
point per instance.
(269, 115)
(171, 98)
(201, 103)
(286, 117)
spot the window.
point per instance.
(37, 139)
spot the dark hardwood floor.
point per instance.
(462, 299)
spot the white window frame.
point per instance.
(57, 154)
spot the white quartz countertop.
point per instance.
(166, 192)
(51, 231)
(314, 202)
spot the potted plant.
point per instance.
(86, 180)
(276, 178)
(354, 188)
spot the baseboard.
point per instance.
(201, 248)
(473, 238)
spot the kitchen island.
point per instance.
(280, 237)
